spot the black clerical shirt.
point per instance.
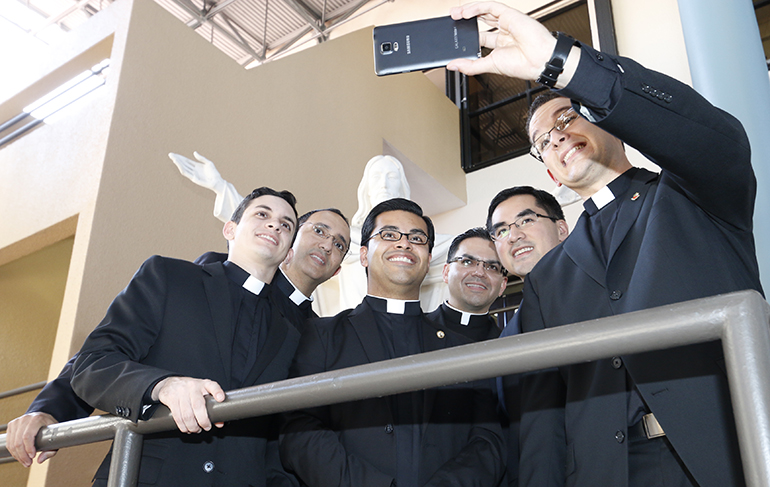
(400, 324)
(477, 327)
(250, 300)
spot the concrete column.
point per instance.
(728, 68)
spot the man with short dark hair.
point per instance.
(316, 255)
(179, 332)
(644, 240)
(475, 278)
(525, 224)
(444, 436)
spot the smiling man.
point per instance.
(320, 245)
(644, 240)
(475, 278)
(447, 436)
(179, 332)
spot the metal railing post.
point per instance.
(126, 456)
(746, 343)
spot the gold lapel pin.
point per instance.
(635, 197)
(440, 334)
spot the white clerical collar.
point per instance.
(296, 296)
(253, 285)
(396, 306)
(465, 317)
(603, 197)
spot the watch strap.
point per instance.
(555, 66)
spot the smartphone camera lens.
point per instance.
(386, 48)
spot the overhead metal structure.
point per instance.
(251, 32)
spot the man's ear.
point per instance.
(563, 229)
(337, 271)
(229, 230)
(445, 273)
(550, 175)
(363, 256)
(502, 286)
(289, 256)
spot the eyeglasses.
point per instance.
(503, 232)
(543, 142)
(395, 236)
(468, 262)
(321, 232)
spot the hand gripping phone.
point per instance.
(424, 44)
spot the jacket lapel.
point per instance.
(362, 319)
(434, 337)
(582, 254)
(630, 208)
(218, 295)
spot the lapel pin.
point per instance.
(635, 197)
(440, 334)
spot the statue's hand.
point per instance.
(203, 173)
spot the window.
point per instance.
(493, 108)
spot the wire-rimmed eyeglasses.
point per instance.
(321, 232)
(502, 232)
(542, 143)
(468, 262)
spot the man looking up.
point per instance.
(644, 240)
(443, 436)
(525, 224)
(321, 243)
(475, 279)
(323, 240)
(179, 332)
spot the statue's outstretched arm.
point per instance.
(204, 173)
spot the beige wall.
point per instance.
(31, 294)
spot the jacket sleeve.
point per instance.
(108, 374)
(59, 400)
(309, 447)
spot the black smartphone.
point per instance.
(424, 44)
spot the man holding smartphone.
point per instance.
(644, 240)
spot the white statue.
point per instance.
(204, 173)
(383, 178)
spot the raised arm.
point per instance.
(204, 173)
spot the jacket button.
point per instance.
(600, 57)
(388, 428)
(615, 295)
(208, 467)
(668, 98)
(617, 362)
(620, 436)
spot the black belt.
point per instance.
(647, 428)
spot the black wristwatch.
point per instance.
(555, 66)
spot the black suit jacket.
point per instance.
(59, 400)
(683, 234)
(353, 444)
(175, 318)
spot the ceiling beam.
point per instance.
(198, 16)
(312, 19)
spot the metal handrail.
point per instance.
(740, 320)
(16, 392)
